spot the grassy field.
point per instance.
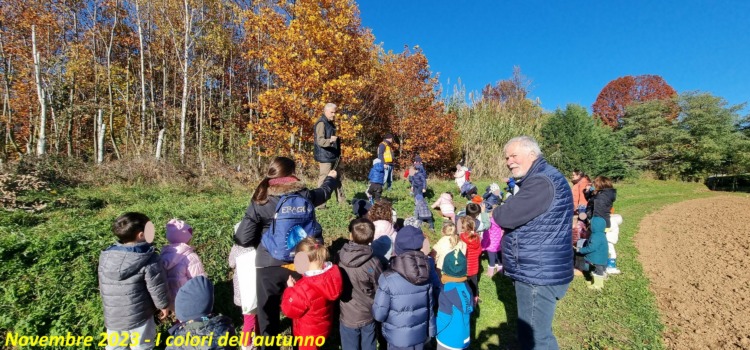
(48, 273)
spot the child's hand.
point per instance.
(163, 314)
(290, 281)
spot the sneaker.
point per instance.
(613, 271)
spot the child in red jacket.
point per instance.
(309, 302)
(473, 250)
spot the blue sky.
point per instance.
(572, 49)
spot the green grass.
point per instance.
(48, 282)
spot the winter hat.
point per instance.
(388, 136)
(413, 222)
(476, 199)
(454, 264)
(408, 238)
(494, 187)
(375, 161)
(360, 207)
(179, 231)
(417, 159)
(195, 299)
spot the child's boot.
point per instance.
(490, 271)
(598, 282)
(612, 267)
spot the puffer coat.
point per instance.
(310, 302)
(404, 301)
(181, 264)
(132, 284)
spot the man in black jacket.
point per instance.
(327, 146)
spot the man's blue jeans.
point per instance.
(362, 338)
(388, 176)
(536, 309)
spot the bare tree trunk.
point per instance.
(109, 88)
(143, 73)
(6, 98)
(100, 129)
(159, 142)
(42, 140)
(185, 87)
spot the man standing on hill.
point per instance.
(327, 146)
(537, 251)
(385, 154)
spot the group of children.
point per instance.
(387, 281)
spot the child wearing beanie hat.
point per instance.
(178, 258)
(194, 305)
(404, 300)
(454, 304)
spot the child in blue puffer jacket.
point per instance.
(376, 177)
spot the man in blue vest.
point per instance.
(327, 146)
(386, 155)
(537, 246)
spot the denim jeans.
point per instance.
(536, 309)
(362, 338)
(388, 176)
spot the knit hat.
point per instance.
(179, 231)
(375, 161)
(454, 264)
(413, 222)
(494, 187)
(195, 299)
(476, 199)
(408, 238)
(388, 136)
(417, 159)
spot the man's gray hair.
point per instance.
(329, 106)
(526, 142)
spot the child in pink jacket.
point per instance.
(491, 241)
(445, 203)
(178, 258)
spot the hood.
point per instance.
(354, 255)
(384, 228)
(471, 244)
(376, 161)
(412, 266)
(446, 197)
(328, 282)
(615, 219)
(282, 189)
(171, 254)
(609, 192)
(123, 261)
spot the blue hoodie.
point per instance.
(454, 314)
(377, 172)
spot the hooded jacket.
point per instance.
(258, 217)
(132, 284)
(453, 316)
(419, 180)
(445, 203)
(385, 236)
(600, 203)
(195, 303)
(360, 271)
(595, 249)
(377, 173)
(404, 301)
(492, 238)
(473, 250)
(310, 302)
(181, 263)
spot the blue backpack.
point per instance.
(293, 221)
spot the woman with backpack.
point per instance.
(280, 215)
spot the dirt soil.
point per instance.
(697, 255)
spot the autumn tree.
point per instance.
(619, 93)
(315, 52)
